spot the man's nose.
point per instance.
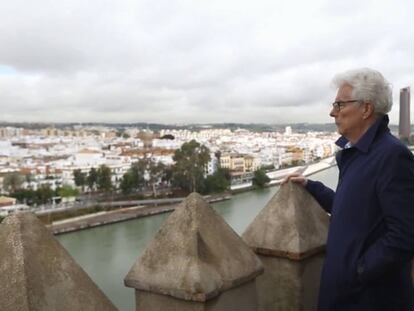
(333, 113)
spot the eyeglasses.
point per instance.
(339, 104)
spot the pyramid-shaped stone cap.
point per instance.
(37, 273)
(194, 256)
(291, 225)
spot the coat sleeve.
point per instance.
(321, 193)
(395, 190)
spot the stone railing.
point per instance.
(37, 273)
(289, 236)
(195, 262)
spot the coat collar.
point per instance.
(366, 140)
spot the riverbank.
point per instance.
(105, 218)
(129, 213)
(118, 215)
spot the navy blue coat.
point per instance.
(371, 234)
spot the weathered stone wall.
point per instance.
(242, 297)
(289, 285)
(195, 262)
(38, 274)
(289, 236)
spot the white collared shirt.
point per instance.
(348, 145)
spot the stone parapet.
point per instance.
(195, 262)
(289, 236)
(37, 273)
(292, 225)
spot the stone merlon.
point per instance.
(37, 273)
(194, 256)
(291, 225)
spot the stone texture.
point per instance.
(289, 285)
(194, 256)
(292, 225)
(241, 298)
(38, 274)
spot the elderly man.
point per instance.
(371, 236)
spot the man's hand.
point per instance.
(296, 178)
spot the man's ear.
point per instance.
(368, 110)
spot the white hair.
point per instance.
(368, 85)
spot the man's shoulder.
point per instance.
(391, 146)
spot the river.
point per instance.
(107, 253)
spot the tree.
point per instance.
(104, 182)
(138, 172)
(44, 194)
(168, 136)
(156, 172)
(260, 178)
(127, 183)
(12, 182)
(27, 196)
(168, 174)
(92, 178)
(134, 179)
(67, 191)
(122, 133)
(218, 182)
(217, 154)
(80, 178)
(190, 163)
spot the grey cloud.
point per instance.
(184, 61)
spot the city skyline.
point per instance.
(184, 62)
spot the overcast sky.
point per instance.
(179, 61)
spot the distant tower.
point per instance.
(405, 124)
(288, 130)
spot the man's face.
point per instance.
(348, 118)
